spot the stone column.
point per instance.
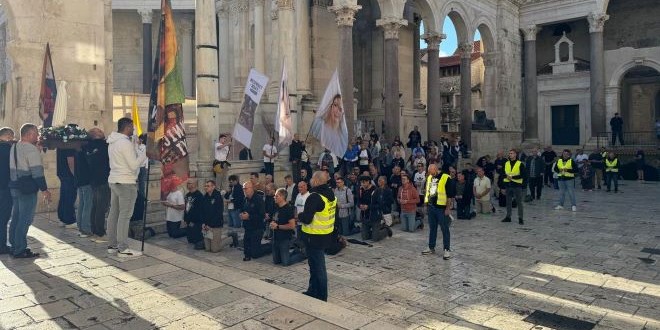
(147, 46)
(239, 25)
(186, 45)
(417, 101)
(224, 59)
(259, 37)
(466, 92)
(107, 113)
(206, 67)
(303, 48)
(597, 72)
(433, 106)
(531, 113)
(288, 49)
(488, 88)
(345, 17)
(392, 116)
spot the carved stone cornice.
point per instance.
(597, 22)
(391, 26)
(237, 6)
(433, 40)
(530, 32)
(146, 15)
(257, 3)
(465, 49)
(345, 14)
(322, 3)
(285, 4)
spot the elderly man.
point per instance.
(252, 216)
(318, 219)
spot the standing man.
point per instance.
(6, 142)
(612, 171)
(253, 219)
(566, 170)
(536, 168)
(295, 156)
(25, 169)
(596, 160)
(220, 164)
(124, 166)
(440, 193)
(66, 210)
(318, 219)
(96, 152)
(82, 178)
(513, 183)
(414, 139)
(549, 157)
(269, 152)
(213, 218)
(616, 124)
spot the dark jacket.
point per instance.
(364, 198)
(5, 148)
(255, 208)
(96, 152)
(82, 174)
(269, 205)
(314, 204)
(616, 123)
(213, 208)
(236, 196)
(539, 166)
(596, 160)
(574, 169)
(194, 207)
(381, 203)
(295, 150)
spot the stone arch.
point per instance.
(458, 15)
(389, 8)
(487, 40)
(428, 15)
(621, 71)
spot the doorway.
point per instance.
(566, 124)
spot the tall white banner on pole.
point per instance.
(254, 89)
(329, 125)
(283, 120)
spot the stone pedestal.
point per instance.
(345, 14)
(466, 92)
(147, 46)
(207, 79)
(597, 73)
(433, 105)
(393, 114)
(531, 117)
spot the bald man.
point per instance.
(252, 215)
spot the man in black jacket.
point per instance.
(364, 205)
(318, 219)
(252, 215)
(616, 124)
(96, 153)
(6, 141)
(213, 220)
(295, 156)
(194, 215)
(381, 205)
(535, 169)
(235, 198)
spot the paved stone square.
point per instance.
(560, 270)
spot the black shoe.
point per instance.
(493, 209)
(507, 219)
(599, 188)
(389, 231)
(607, 190)
(520, 221)
(247, 259)
(4, 250)
(199, 246)
(420, 226)
(27, 254)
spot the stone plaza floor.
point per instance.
(591, 269)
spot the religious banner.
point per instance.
(166, 134)
(48, 93)
(329, 125)
(283, 118)
(254, 89)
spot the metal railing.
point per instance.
(628, 140)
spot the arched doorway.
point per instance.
(639, 88)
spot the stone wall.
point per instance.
(632, 24)
(546, 39)
(489, 142)
(509, 82)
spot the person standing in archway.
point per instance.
(616, 123)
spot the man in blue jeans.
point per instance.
(440, 193)
(566, 169)
(283, 224)
(6, 142)
(236, 199)
(66, 210)
(82, 177)
(25, 161)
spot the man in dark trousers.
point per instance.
(295, 156)
(318, 222)
(194, 214)
(364, 204)
(6, 141)
(616, 124)
(252, 215)
(96, 153)
(535, 170)
(514, 171)
(66, 210)
(213, 218)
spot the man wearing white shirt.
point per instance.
(270, 153)
(303, 193)
(174, 208)
(220, 164)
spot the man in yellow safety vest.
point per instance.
(514, 172)
(318, 223)
(440, 194)
(566, 168)
(612, 172)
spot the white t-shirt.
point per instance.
(221, 154)
(270, 150)
(364, 157)
(420, 182)
(142, 150)
(480, 185)
(300, 202)
(580, 158)
(174, 198)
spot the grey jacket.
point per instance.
(29, 164)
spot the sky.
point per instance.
(447, 46)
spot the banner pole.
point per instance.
(146, 205)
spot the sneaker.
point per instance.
(446, 255)
(99, 239)
(428, 251)
(128, 253)
(82, 235)
(559, 207)
(71, 226)
(112, 249)
(573, 208)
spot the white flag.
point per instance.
(329, 125)
(283, 119)
(254, 89)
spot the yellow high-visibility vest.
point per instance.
(565, 167)
(515, 171)
(441, 193)
(610, 166)
(323, 222)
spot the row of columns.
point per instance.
(596, 71)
